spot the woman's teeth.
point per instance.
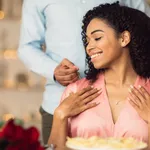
(95, 55)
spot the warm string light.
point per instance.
(30, 117)
(7, 117)
(10, 54)
(2, 14)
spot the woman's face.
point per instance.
(103, 46)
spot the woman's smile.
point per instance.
(96, 56)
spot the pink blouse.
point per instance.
(98, 120)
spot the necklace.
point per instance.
(117, 103)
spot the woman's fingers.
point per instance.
(137, 94)
(82, 100)
(88, 106)
(91, 97)
(90, 92)
(134, 101)
(144, 92)
(134, 104)
(84, 90)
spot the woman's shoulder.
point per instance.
(83, 83)
(79, 84)
(75, 87)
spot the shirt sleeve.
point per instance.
(31, 38)
(141, 5)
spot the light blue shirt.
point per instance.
(57, 23)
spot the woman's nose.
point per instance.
(90, 46)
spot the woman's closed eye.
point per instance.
(97, 39)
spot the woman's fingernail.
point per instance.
(130, 90)
(131, 86)
(99, 89)
(99, 92)
(97, 103)
(139, 86)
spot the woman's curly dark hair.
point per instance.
(123, 18)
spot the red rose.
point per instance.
(24, 146)
(31, 135)
(35, 146)
(17, 146)
(12, 132)
(20, 138)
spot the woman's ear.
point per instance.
(125, 38)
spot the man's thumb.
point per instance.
(69, 64)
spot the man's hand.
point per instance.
(66, 72)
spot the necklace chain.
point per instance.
(117, 103)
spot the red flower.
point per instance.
(25, 146)
(20, 138)
(31, 135)
(12, 132)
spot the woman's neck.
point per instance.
(121, 71)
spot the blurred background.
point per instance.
(20, 90)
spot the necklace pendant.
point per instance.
(117, 102)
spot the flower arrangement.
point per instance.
(15, 137)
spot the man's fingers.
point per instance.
(68, 78)
(66, 75)
(65, 71)
(66, 62)
(64, 83)
(75, 79)
(69, 64)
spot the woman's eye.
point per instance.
(96, 39)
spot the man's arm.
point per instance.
(32, 37)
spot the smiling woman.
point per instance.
(118, 56)
(102, 43)
(114, 28)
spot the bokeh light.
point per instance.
(2, 14)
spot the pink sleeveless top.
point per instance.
(98, 121)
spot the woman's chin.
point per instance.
(98, 66)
